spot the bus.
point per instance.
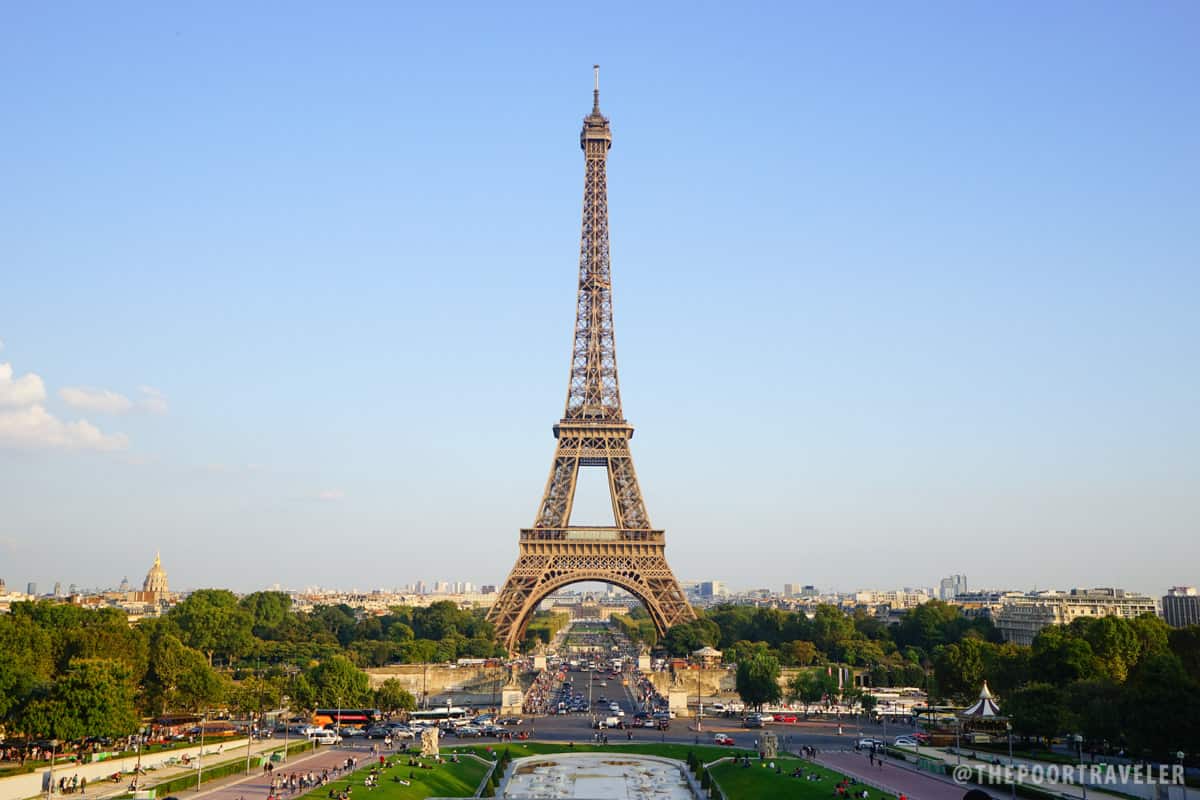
(439, 714)
(343, 717)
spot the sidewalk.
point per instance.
(211, 758)
(994, 759)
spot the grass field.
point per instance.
(443, 780)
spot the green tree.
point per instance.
(799, 652)
(811, 687)
(336, 681)
(687, 637)
(1161, 707)
(758, 678)
(269, 612)
(1037, 710)
(212, 621)
(94, 697)
(179, 678)
(959, 668)
(1062, 657)
(256, 694)
(391, 696)
(1184, 643)
(25, 661)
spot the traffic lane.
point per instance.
(577, 727)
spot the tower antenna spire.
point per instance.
(596, 89)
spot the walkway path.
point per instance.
(895, 780)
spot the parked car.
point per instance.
(511, 720)
(378, 732)
(753, 721)
(788, 718)
(868, 744)
(905, 741)
(723, 739)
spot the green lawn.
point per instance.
(745, 783)
(443, 780)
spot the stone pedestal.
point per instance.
(768, 745)
(512, 701)
(429, 742)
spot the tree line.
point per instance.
(68, 672)
(1131, 685)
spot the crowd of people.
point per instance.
(537, 699)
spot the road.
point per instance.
(576, 727)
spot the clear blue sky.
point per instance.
(902, 289)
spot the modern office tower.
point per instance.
(1181, 606)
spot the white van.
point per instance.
(325, 736)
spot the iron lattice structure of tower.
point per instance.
(592, 433)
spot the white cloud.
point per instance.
(22, 391)
(106, 401)
(25, 422)
(153, 401)
(331, 495)
(100, 401)
(35, 428)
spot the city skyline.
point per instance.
(262, 301)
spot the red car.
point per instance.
(785, 717)
(723, 739)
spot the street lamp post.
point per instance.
(50, 787)
(1012, 779)
(200, 755)
(1082, 771)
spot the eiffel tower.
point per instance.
(592, 433)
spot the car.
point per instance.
(753, 721)
(378, 732)
(868, 744)
(509, 721)
(789, 718)
(468, 732)
(603, 684)
(325, 737)
(718, 707)
(905, 741)
(649, 723)
(723, 739)
(403, 733)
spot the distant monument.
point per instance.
(156, 580)
(769, 745)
